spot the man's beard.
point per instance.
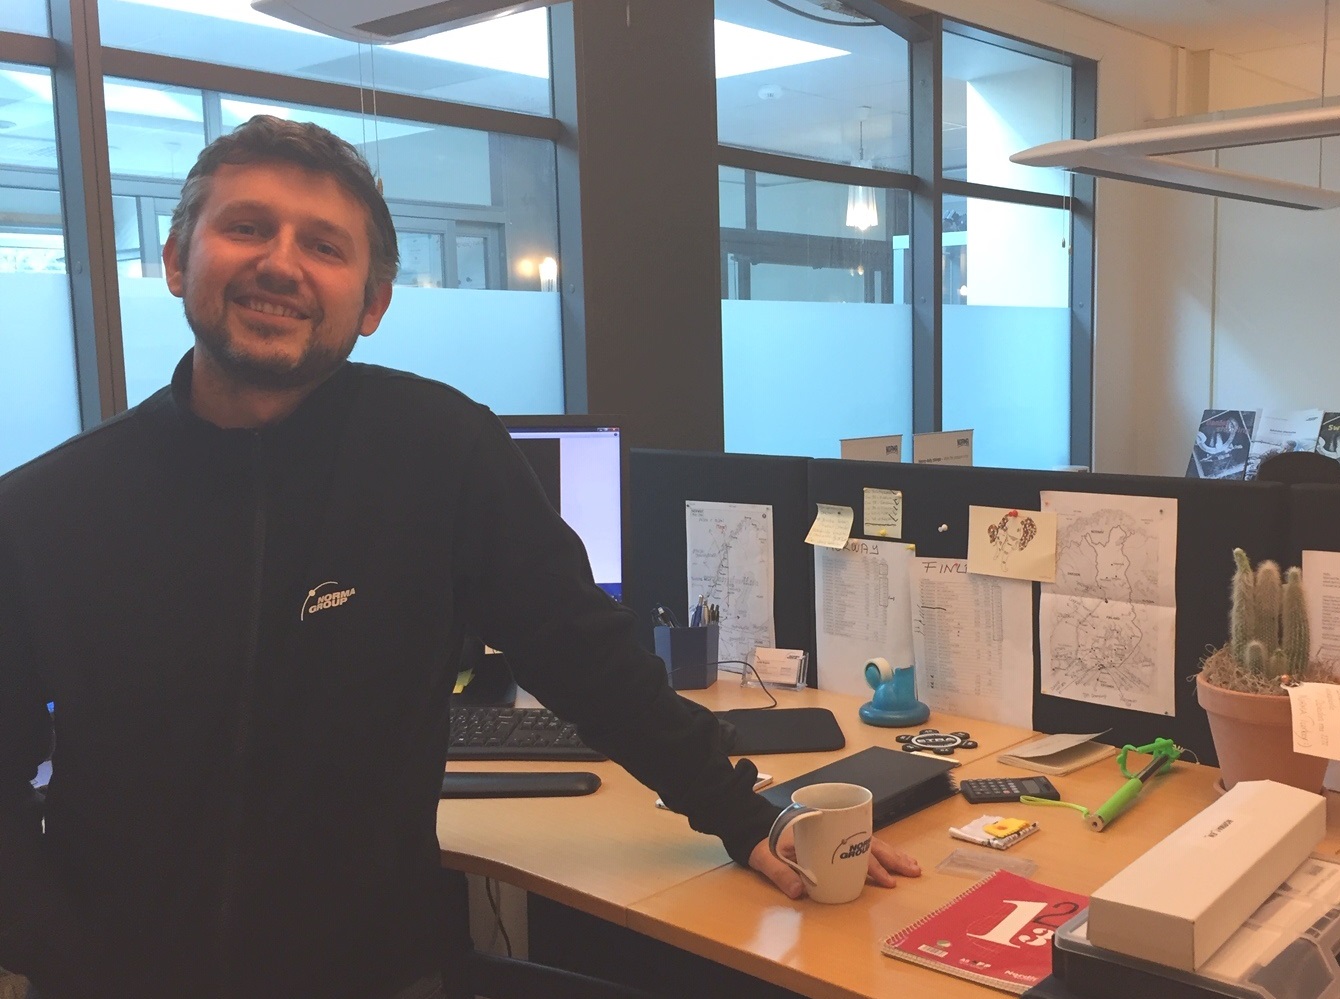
(317, 361)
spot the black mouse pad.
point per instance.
(759, 731)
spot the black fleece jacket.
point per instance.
(251, 639)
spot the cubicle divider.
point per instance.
(1314, 521)
(1214, 517)
(1268, 520)
(656, 567)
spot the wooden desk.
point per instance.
(614, 855)
(603, 852)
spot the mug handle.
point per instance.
(791, 813)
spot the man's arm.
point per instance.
(37, 929)
(525, 587)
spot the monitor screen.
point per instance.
(579, 461)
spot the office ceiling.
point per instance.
(1280, 39)
(1234, 27)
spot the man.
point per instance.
(246, 772)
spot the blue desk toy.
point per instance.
(895, 703)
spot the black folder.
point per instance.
(901, 783)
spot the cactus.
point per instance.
(1294, 637)
(1268, 619)
(1240, 616)
(1255, 658)
(1267, 615)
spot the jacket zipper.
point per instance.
(230, 882)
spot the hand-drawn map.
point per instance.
(1108, 623)
(731, 566)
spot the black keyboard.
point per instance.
(491, 732)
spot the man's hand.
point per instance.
(884, 863)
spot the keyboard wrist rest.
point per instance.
(527, 784)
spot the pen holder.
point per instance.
(689, 654)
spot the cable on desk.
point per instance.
(750, 666)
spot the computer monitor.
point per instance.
(580, 461)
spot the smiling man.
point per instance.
(244, 791)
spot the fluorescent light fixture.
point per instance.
(741, 50)
(1131, 156)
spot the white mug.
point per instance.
(833, 829)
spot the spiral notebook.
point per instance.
(900, 783)
(997, 933)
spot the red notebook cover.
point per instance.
(998, 932)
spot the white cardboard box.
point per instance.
(1184, 897)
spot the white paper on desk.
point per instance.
(831, 527)
(862, 611)
(883, 513)
(1321, 591)
(1106, 626)
(1316, 719)
(973, 638)
(730, 549)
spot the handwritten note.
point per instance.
(883, 513)
(1316, 719)
(831, 527)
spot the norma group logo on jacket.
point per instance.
(324, 596)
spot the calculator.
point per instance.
(1007, 788)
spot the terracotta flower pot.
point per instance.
(1253, 736)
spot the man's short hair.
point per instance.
(265, 137)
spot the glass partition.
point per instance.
(26, 16)
(807, 80)
(39, 403)
(816, 329)
(1007, 332)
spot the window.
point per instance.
(474, 211)
(997, 102)
(813, 271)
(830, 89)
(28, 17)
(816, 331)
(39, 404)
(1007, 334)
(821, 254)
(1006, 256)
(502, 63)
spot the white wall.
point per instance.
(1248, 294)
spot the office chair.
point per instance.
(1297, 467)
(470, 974)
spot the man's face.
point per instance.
(276, 275)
